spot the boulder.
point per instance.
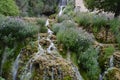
(112, 74)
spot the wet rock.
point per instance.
(53, 66)
(102, 37)
(112, 74)
(116, 56)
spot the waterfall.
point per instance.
(28, 71)
(61, 11)
(111, 62)
(15, 67)
(4, 57)
(51, 46)
(100, 77)
(47, 22)
(68, 55)
(75, 69)
(63, 2)
(77, 74)
(52, 73)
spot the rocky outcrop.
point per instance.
(112, 74)
(116, 56)
(48, 66)
(104, 36)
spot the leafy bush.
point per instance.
(67, 38)
(41, 22)
(115, 27)
(69, 24)
(91, 20)
(37, 7)
(88, 62)
(8, 8)
(1, 78)
(56, 27)
(15, 29)
(62, 18)
(107, 53)
(83, 19)
(74, 39)
(84, 40)
(62, 26)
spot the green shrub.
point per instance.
(91, 20)
(8, 8)
(84, 40)
(41, 22)
(67, 37)
(83, 19)
(62, 26)
(115, 27)
(62, 18)
(88, 62)
(56, 27)
(74, 39)
(69, 24)
(38, 7)
(107, 53)
(15, 29)
(2, 78)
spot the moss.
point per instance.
(63, 53)
(67, 78)
(74, 58)
(84, 74)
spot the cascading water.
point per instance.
(47, 22)
(68, 55)
(111, 65)
(5, 55)
(15, 67)
(100, 77)
(77, 74)
(51, 46)
(111, 62)
(28, 71)
(62, 4)
(3, 59)
(61, 11)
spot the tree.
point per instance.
(8, 8)
(104, 5)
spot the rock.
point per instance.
(112, 74)
(116, 56)
(53, 66)
(101, 36)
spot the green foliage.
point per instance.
(115, 26)
(62, 26)
(90, 20)
(2, 78)
(15, 29)
(106, 5)
(41, 22)
(8, 8)
(37, 7)
(69, 9)
(67, 37)
(56, 27)
(88, 62)
(84, 40)
(62, 18)
(73, 38)
(107, 53)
